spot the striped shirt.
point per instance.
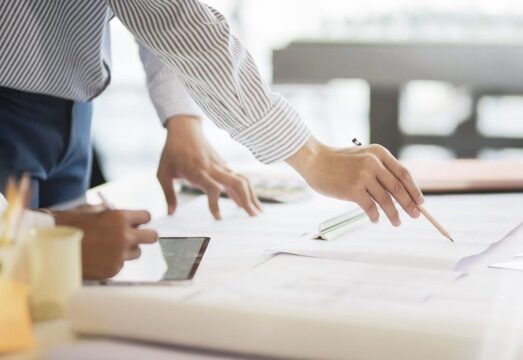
(57, 48)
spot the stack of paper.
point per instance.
(300, 307)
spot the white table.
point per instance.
(487, 290)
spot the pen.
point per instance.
(105, 202)
(424, 211)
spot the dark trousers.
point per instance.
(49, 138)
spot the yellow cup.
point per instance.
(56, 270)
(16, 330)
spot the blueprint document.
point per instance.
(303, 281)
(476, 222)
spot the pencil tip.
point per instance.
(451, 239)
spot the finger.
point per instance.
(398, 191)
(239, 186)
(242, 186)
(252, 194)
(234, 196)
(213, 190)
(401, 173)
(168, 189)
(145, 236)
(382, 197)
(133, 253)
(369, 206)
(137, 217)
(230, 182)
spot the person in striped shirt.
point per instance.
(56, 49)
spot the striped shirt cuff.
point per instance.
(277, 136)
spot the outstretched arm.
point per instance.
(219, 73)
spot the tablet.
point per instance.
(175, 261)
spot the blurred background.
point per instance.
(455, 95)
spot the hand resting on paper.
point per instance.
(111, 237)
(367, 175)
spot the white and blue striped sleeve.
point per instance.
(166, 91)
(195, 40)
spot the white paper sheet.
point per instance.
(239, 242)
(508, 265)
(295, 219)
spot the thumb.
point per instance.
(167, 184)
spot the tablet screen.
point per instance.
(182, 256)
(171, 260)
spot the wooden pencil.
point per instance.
(434, 222)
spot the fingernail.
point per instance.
(397, 223)
(375, 221)
(421, 200)
(415, 213)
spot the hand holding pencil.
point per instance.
(422, 209)
(367, 175)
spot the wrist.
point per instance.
(180, 123)
(183, 129)
(305, 159)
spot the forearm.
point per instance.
(217, 71)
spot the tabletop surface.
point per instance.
(483, 287)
